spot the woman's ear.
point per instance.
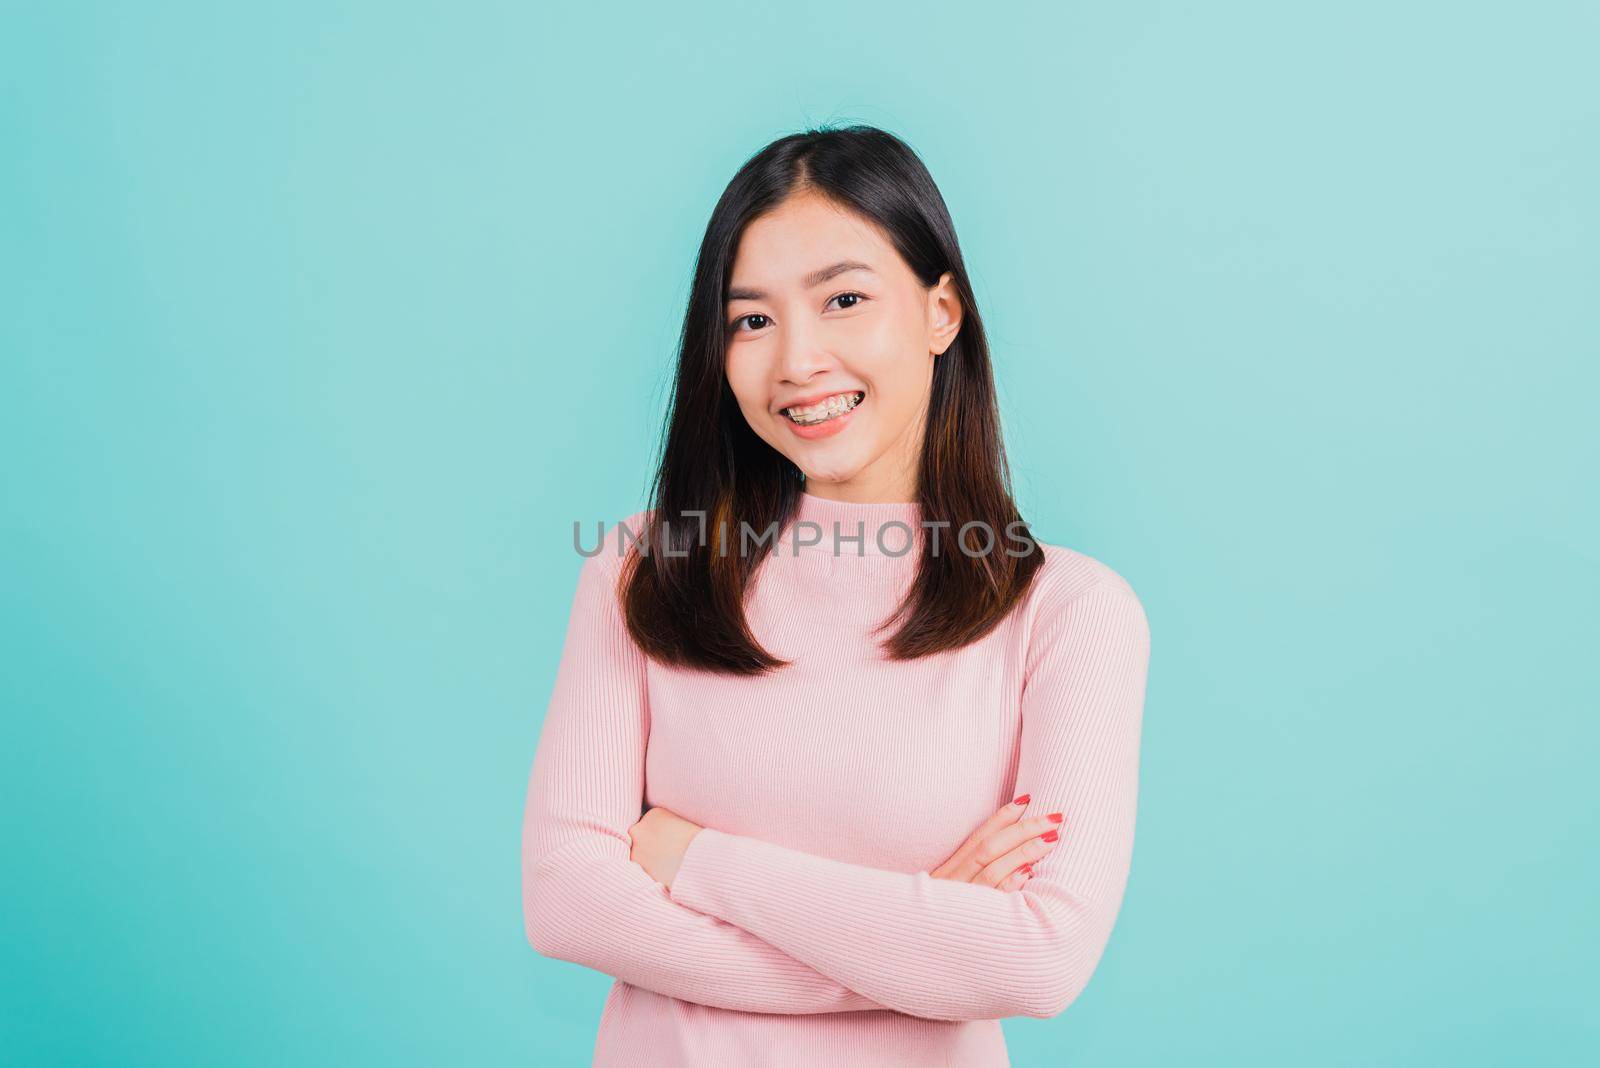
(944, 314)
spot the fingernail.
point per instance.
(1027, 868)
(1054, 817)
(1050, 836)
(1023, 800)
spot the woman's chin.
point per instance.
(827, 473)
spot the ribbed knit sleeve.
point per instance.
(583, 899)
(959, 951)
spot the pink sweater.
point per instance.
(803, 927)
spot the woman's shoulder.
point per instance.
(605, 545)
(1076, 597)
(1069, 574)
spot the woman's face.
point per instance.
(805, 333)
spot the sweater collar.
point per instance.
(885, 528)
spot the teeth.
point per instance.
(835, 405)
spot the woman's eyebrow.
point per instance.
(815, 278)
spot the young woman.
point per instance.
(841, 764)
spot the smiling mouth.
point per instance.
(832, 408)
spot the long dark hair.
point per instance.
(715, 472)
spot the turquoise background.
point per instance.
(322, 323)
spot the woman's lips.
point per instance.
(824, 429)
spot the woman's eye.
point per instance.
(733, 327)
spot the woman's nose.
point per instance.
(802, 354)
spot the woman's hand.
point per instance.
(659, 840)
(1001, 852)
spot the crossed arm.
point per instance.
(755, 926)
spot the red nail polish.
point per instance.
(1050, 836)
(1054, 817)
(1023, 800)
(1027, 868)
